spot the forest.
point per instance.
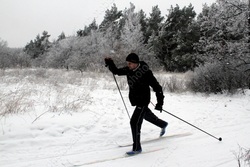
(214, 44)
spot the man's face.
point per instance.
(131, 65)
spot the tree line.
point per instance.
(217, 38)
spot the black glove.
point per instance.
(158, 107)
(108, 61)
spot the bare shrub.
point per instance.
(15, 102)
(66, 101)
(123, 84)
(172, 82)
(172, 85)
(216, 78)
(56, 90)
(243, 157)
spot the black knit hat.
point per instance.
(132, 57)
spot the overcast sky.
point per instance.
(22, 20)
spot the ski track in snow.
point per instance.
(66, 139)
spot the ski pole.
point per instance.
(121, 95)
(220, 139)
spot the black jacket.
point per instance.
(140, 81)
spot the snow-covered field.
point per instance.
(66, 119)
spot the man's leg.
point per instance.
(135, 123)
(152, 118)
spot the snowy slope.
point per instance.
(90, 136)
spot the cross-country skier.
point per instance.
(140, 78)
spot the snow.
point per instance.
(65, 124)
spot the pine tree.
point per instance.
(110, 16)
(87, 29)
(173, 44)
(153, 23)
(39, 46)
(143, 22)
(61, 36)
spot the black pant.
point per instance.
(136, 122)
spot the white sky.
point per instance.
(22, 20)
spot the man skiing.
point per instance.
(140, 78)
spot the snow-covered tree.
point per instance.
(223, 47)
(224, 30)
(131, 36)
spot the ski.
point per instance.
(146, 151)
(157, 139)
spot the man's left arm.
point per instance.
(157, 89)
